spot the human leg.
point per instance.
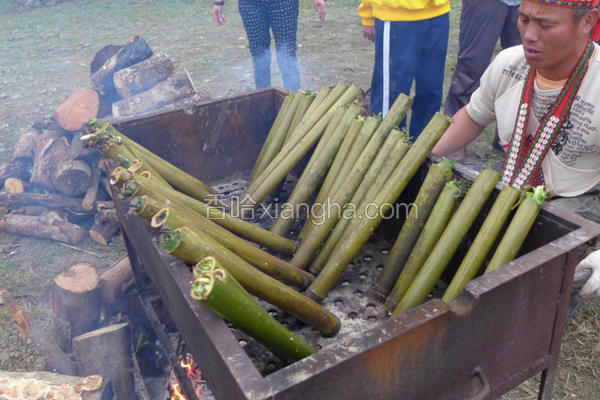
(283, 15)
(256, 24)
(510, 32)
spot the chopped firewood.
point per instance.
(16, 168)
(89, 200)
(102, 56)
(26, 143)
(175, 87)
(46, 226)
(48, 385)
(56, 359)
(144, 75)
(106, 351)
(77, 298)
(131, 53)
(55, 201)
(106, 225)
(14, 185)
(78, 108)
(115, 280)
(31, 210)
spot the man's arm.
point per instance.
(462, 131)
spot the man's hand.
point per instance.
(591, 288)
(218, 14)
(369, 32)
(320, 8)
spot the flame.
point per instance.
(177, 395)
(187, 366)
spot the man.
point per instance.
(411, 37)
(545, 98)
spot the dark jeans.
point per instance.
(417, 52)
(280, 17)
(481, 23)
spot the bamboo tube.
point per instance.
(445, 248)
(261, 161)
(483, 241)
(193, 246)
(302, 108)
(223, 294)
(314, 171)
(318, 233)
(140, 167)
(266, 262)
(392, 151)
(321, 95)
(519, 227)
(290, 155)
(361, 228)
(176, 177)
(146, 207)
(220, 217)
(343, 154)
(430, 234)
(430, 189)
(205, 265)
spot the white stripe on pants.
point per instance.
(386, 69)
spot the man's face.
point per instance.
(552, 40)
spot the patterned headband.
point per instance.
(571, 3)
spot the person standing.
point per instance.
(411, 38)
(260, 18)
(482, 22)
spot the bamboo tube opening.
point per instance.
(130, 188)
(205, 265)
(170, 239)
(118, 176)
(138, 204)
(219, 274)
(202, 286)
(135, 167)
(145, 174)
(159, 218)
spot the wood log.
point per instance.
(31, 210)
(102, 56)
(19, 168)
(143, 75)
(105, 226)
(55, 201)
(89, 199)
(115, 280)
(25, 145)
(56, 359)
(106, 351)
(78, 108)
(76, 298)
(45, 226)
(176, 87)
(48, 385)
(14, 185)
(135, 51)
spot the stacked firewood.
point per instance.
(51, 181)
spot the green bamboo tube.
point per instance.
(430, 189)
(342, 154)
(318, 233)
(302, 108)
(290, 155)
(261, 161)
(278, 137)
(361, 228)
(445, 248)
(193, 246)
(483, 242)
(179, 217)
(430, 234)
(140, 167)
(205, 265)
(314, 171)
(519, 228)
(392, 151)
(321, 95)
(118, 153)
(217, 215)
(145, 206)
(224, 295)
(175, 176)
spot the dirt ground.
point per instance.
(45, 55)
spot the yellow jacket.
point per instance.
(401, 10)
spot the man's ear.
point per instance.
(590, 19)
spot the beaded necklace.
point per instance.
(523, 159)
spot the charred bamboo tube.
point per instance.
(176, 177)
(193, 246)
(292, 154)
(361, 228)
(223, 294)
(438, 175)
(262, 260)
(342, 154)
(430, 234)
(318, 233)
(304, 104)
(314, 171)
(392, 151)
(445, 248)
(245, 229)
(262, 161)
(483, 241)
(519, 227)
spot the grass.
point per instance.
(45, 55)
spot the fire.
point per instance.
(176, 395)
(193, 374)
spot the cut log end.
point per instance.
(78, 279)
(81, 106)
